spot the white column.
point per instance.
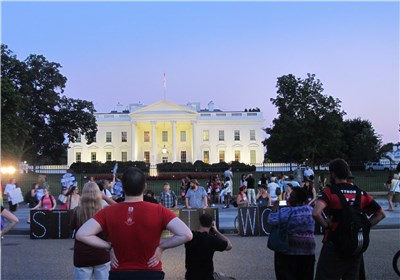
(194, 141)
(153, 144)
(133, 141)
(174, 155)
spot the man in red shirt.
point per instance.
(330, 264)
(134, 229)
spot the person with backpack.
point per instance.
(47, 202)
(347, 225)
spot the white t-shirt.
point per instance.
(272, 190)
(228, 188)
(8, 189)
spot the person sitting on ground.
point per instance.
(47, 202)
(241, 198)
(149, 197)
(263, 197)
(200, 250)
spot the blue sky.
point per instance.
(227, 52)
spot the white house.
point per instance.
(166, 132)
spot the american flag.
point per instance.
(165, 80)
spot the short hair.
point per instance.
(206, 220)
(340, 168)
(133, 181)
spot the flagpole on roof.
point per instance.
(165, 84)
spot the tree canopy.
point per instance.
(309, 124)
(36, 116)
(362, 143)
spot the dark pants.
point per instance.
(136, 275)
(331, 266)
(293, 267)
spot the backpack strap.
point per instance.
(357, 201)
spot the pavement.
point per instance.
(226, 218)
(250, 259)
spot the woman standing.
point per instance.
(393, 186)
(7, 191)
(32, 199)
(298, 261)
(73, 198)
(89, 261)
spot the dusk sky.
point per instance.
(229, 52)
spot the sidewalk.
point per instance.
(226, 218)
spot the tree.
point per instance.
(36, 118)
(309, 124)
(362, 143)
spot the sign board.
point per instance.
(47, 224)
(191, 216)
(249, 221)
(16, 196)
(67, 181)
(265, 228)
(167, 233)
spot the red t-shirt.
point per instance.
(334, 205)
(134, 229)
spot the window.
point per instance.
(183, 136)
(252, 135)
(237, 155)
(147, 157)
(108, 156)
(206, 156)
(183, 156)
(108, 137)
(221, 156)
(124, 156)
(78, 156)
(237, 135)
(165, 159)
(206, 135)
(146, 136)
(221, 135)
(253, 157)
(165, 136)
(93, 156)
(124, 136)
(78, 138)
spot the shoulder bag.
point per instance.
(278, 238)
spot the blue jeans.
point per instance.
(98, 272)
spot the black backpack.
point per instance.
(351, 237)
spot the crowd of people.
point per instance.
(118, 234)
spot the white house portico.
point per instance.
(166, 132)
